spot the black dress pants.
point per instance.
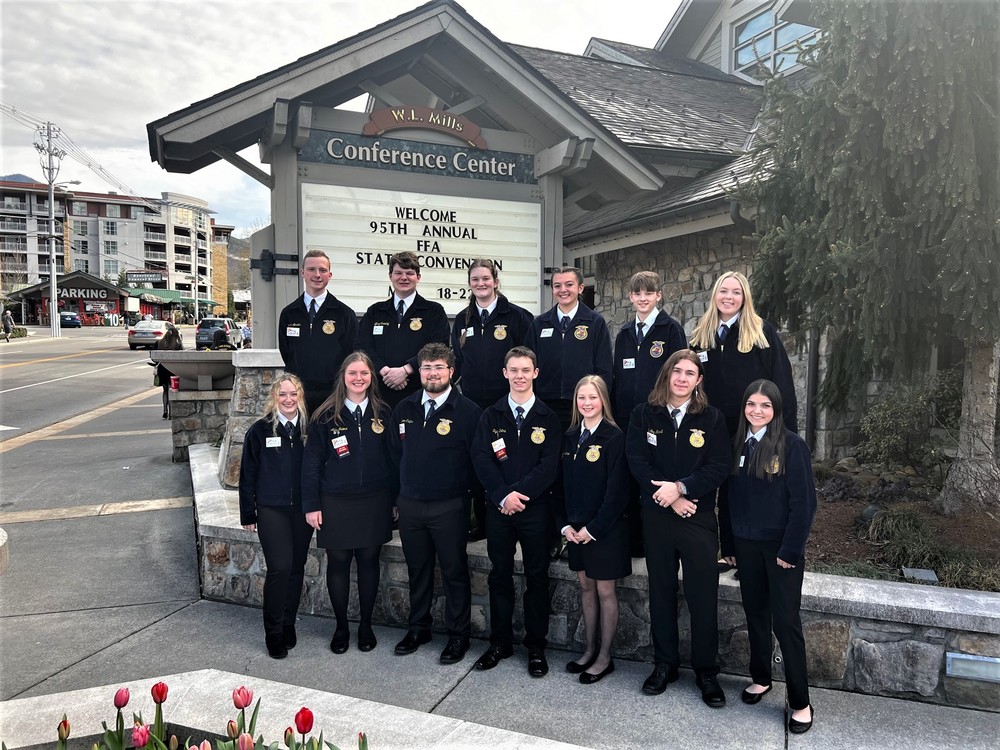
(694, 542)
(437, 527)
(772, 597)
(529, 527)
(284, 538)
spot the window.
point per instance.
(110, 247)
(79, 208)
(764, 39)
(111, 268)
(111, 228)
(82, 246)
(114, 211)
(80, 227)
(81, 265)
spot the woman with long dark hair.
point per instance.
(271, 505)
(765, 522)
(348, 491)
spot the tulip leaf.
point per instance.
(253, 716)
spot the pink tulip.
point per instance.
(242, 697)
(121, 698)
(245, 742)
(159, 692)
(140, 735)
(232, 731)
(205, 745)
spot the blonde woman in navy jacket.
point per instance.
(348, 490)
(595, 489)
(765, 524)
(271, 505)
(678, 450)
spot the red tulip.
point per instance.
(289, 736)
(242, 697)
(245, 742)
(232, 731)
(140, 735)
(121, 698)
(304, 720)
(63, 729)
(159, 692)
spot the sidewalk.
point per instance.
(113, 600)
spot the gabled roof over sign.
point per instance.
(66, 280)
(232, 120)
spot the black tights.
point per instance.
(338, 582)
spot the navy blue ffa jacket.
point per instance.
(728, 372)
(391, 344)
(480, 351)
(637, 365)
(697, 455)
(779, 509)
(595, 480)
(271, 470)
(350, 459)
(585, 349)
(433, 459)
(510, 461)
(315, 351)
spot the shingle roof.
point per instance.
(712, 186)
(661, 60)
(652, 108)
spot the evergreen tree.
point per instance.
(877, 198)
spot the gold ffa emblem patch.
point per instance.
(656, 349)
(580, 333)
(444, 427)
(697, 438)
(774, 467)
(594, 453)
(538, 435)
(416, 324)
(329, 326)
(500, 333)
(377, 427)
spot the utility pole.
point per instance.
(49, 155)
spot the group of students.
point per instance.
(531, 432)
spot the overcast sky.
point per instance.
(102, 70)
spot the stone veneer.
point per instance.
(873, 637)
(197, 417)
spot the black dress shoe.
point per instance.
(724, 567)
(711, 691)
(289, 636)
(366, 640)
(341, 641)
(576, 667)
(751, 698)
(493, 656)
(275, 646)
(661, 676)
(589, 679)
(801, 727)
(411, 642)
(537, 665)
(454, 652)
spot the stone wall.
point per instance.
(873, 637)
(197, 417)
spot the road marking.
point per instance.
(102, 509)
(68, 424)
(5, 427)
(67, 377)
(53, 359)
(123, 433)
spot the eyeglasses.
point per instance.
(434, 368)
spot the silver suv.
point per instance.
(213, 332)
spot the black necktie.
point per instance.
(638, 332)
(483, 315)
(431, 407)
(674, 413)
(290, 430)
(519, 419)
(565, 323)
(723, 333)
(312, 310)
(357, 415)
(400, 312)
(751, 446)
(584, 436)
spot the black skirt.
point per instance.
(355, 521)
(604, 559)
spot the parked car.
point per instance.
(155, 334)
(70, 320)
(214, 332)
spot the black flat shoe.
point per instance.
(661, 676)
(589, 679)
(341, 641)
(275, 646)
(367, 640)
(752, 698)
(576, 667)
(801, 727)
